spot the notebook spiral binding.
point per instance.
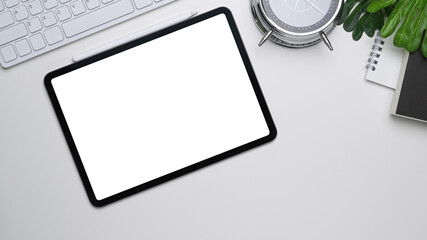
(375, 54)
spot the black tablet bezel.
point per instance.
(180, 172)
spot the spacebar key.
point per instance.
(97, 18)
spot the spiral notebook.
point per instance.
(384, 62)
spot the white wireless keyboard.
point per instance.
(29, 28)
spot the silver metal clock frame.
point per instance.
(287, 38)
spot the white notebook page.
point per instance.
(386, 69)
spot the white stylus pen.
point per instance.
(133, 36)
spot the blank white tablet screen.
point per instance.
(160, 107)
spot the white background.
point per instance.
(340, 168)
(160, 107)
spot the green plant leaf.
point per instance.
(375, 21)
(348, 5)
(379, 4)
(412, 14)
(424, 47)
(356, 15)
(357, 19)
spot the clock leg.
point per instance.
(326, 40)
(265, 37)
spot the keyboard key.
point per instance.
(53, 35)
(35, 7)
(64, 1)
(6, 19)
(1, 6)
(34, 24)
(49, 4)
(11, 3)
(37, 42)
(21, 13)
(142, 3)
(48, 19)
(157, 1)
(97, 17)
(63, 13)
(106, 1)
(8, 53)
(12, 33)
(22, 47)
(92, 4)
(77, 7)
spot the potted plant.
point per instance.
(407, 17)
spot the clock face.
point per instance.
(301, 16)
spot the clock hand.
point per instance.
(315, 7)
(296, 4)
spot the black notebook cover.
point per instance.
(411, 93)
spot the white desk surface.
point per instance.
(341, 167)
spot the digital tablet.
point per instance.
(159, 107)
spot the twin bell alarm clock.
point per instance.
(296, 23)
